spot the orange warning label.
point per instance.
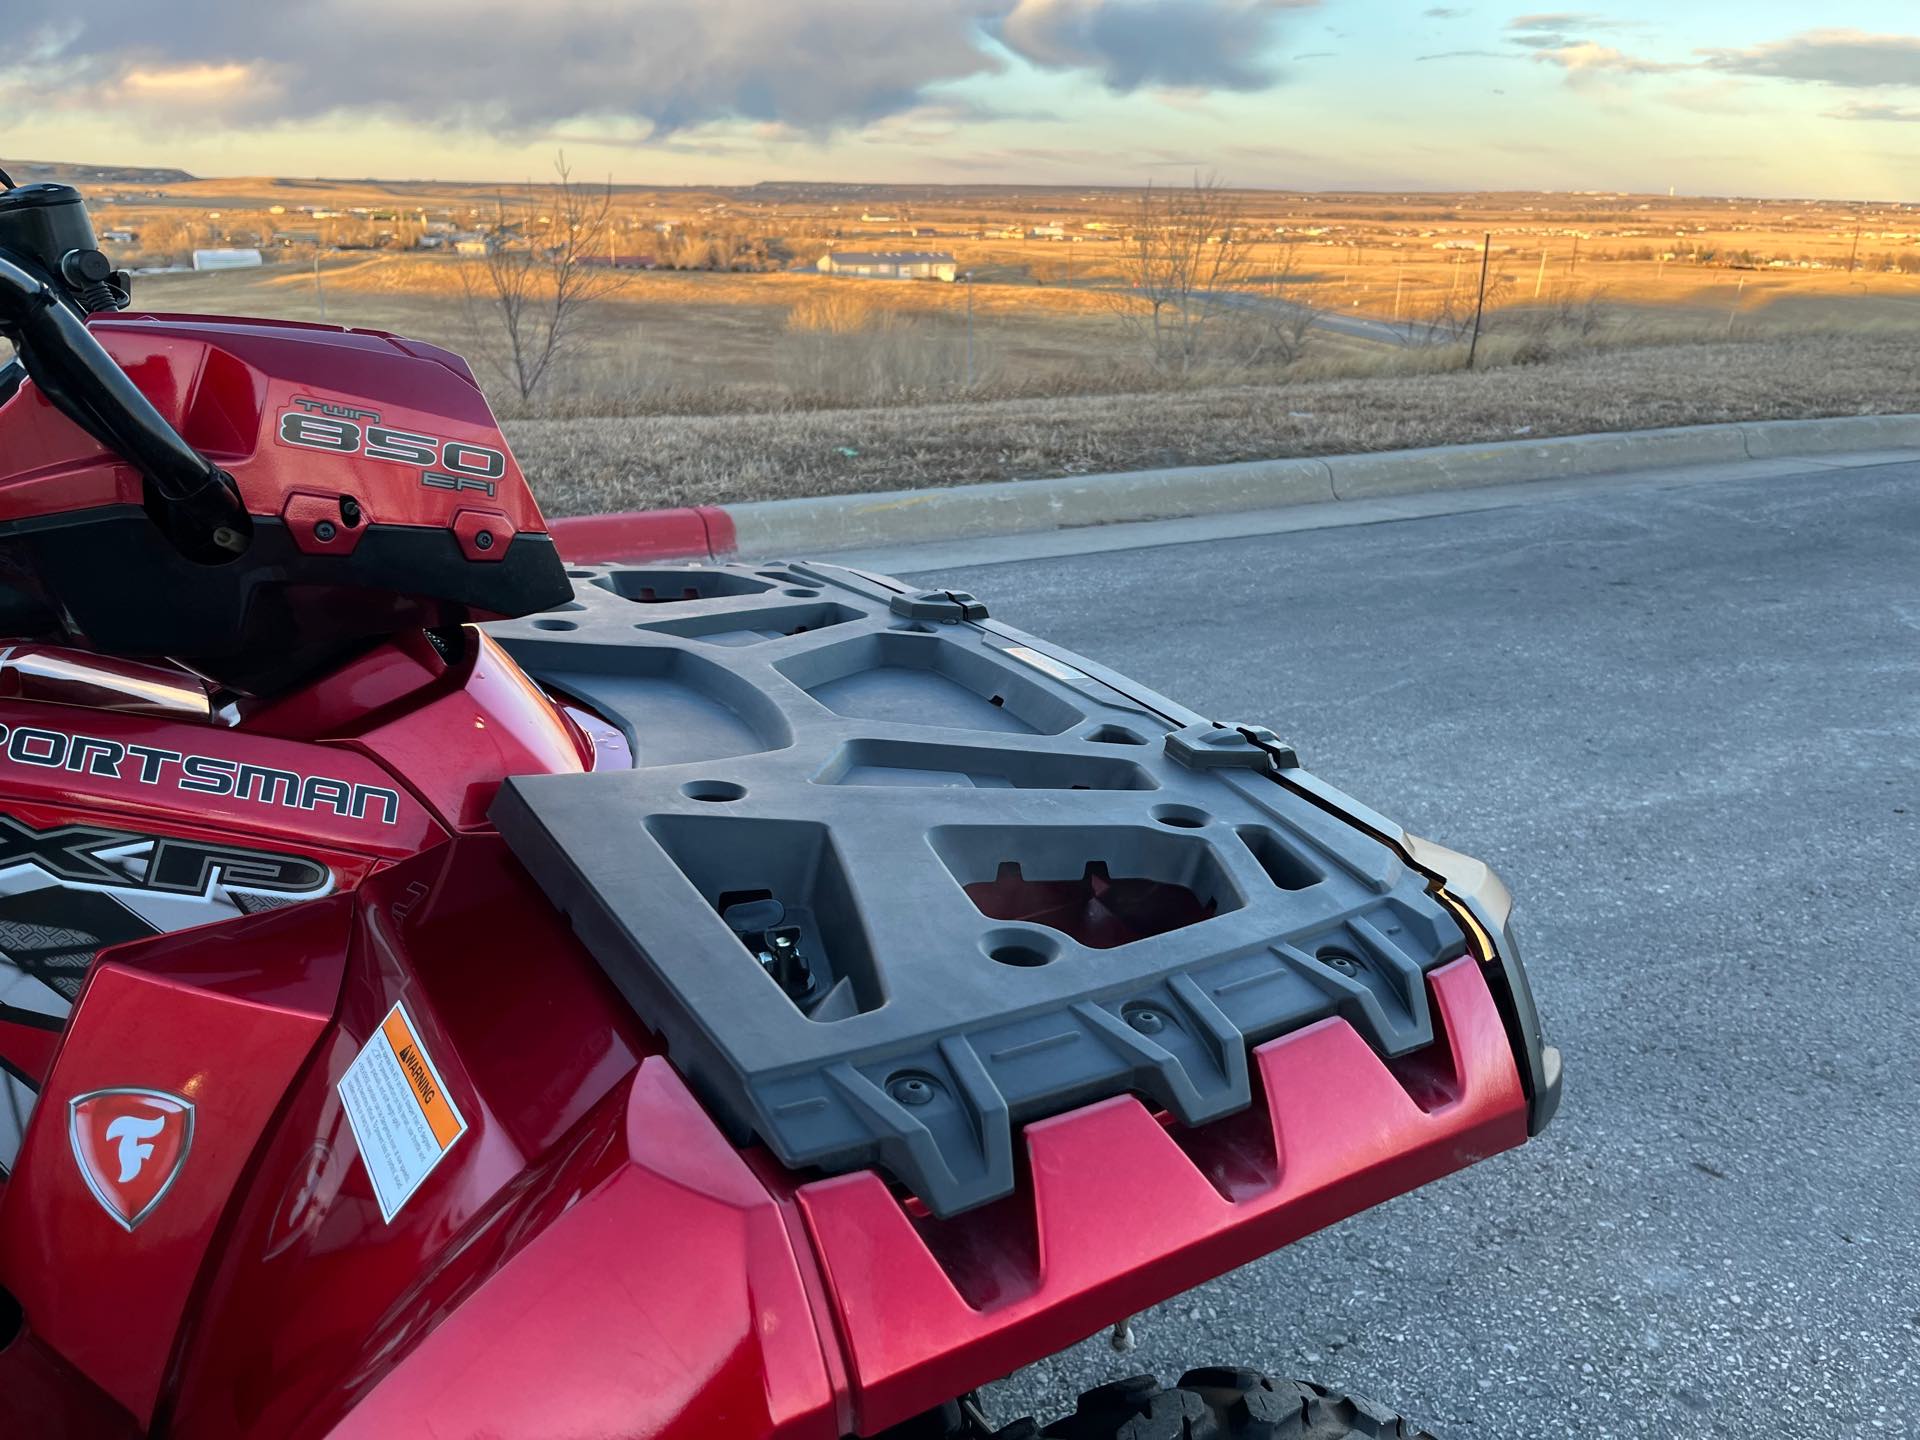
(399, 1109)
(418, 1069)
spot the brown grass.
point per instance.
(584, 465)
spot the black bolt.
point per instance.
(325, 531)
(911, 1089)
(484, 540)
(1146, 1020)
(1341, 961)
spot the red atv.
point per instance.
(704, 1002)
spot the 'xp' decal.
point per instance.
(130, 1145)
(122, 860)
(68, 892)
(341, 430)
(199, 774)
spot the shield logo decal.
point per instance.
(130, 1145)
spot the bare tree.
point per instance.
(528, 299)
(1192, 288)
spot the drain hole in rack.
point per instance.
(716, 790)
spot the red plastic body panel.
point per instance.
(226, 384)
(455, 748)
(1102, 1250)
(44, 1395)
(223, 1020)
(667, 1303)
(530, 1042)
(699, 532)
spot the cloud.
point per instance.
(1587, 58)
(1848, 58)
(191, 85)
(1859, 110)
(509, 67)
(1558, 20)
(1557, 29)
(1443, 12)
(1127, 44)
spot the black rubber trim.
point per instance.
(268, 618)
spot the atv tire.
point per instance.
(1227, 1404)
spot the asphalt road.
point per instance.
(1685, 725)
(1363, 327)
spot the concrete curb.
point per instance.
(845, 522)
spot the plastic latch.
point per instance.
(1231, 747)
(938, 605)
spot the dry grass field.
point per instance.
(585, 465)
(766, 378)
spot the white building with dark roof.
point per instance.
(890, 264)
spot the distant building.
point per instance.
(225, 259)
(1047, 232)
(890, 264)
(471, 245)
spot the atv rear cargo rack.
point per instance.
(891, 879)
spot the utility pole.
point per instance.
(1854, 253)
(1486, 254)
(319, 291)
(1734, 309)
(1540, 279)
(1573, 263)
(1398, 280)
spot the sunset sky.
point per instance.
(1710, 96)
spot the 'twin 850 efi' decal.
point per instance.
(348, 430)
(69, 892)
(47, 749)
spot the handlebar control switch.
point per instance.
(90, 276)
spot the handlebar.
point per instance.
(193, 501)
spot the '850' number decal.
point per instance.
(447, 464)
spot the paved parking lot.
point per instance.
(1685, 724)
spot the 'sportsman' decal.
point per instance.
(46, 749)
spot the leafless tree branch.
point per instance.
(527, 300)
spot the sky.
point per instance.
(1719, 97)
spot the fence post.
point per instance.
(1486, 254)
